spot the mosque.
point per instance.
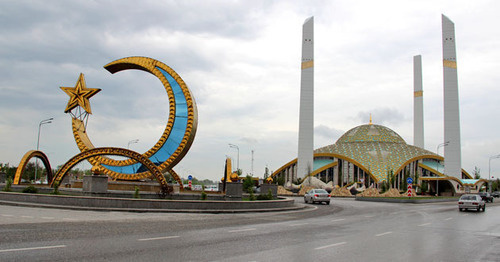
(371, 154)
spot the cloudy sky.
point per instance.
(241, 60)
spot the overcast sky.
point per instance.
(241, 60)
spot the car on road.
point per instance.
(471, 202)
(487, 197)
(496, 194)
(317, 196)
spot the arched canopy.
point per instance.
(24, 161)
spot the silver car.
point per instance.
(317, 196)
(471, 202)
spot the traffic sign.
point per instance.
(409, 180)
(190, 177)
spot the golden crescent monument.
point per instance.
(172, 146)
(176, 139)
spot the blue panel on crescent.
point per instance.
(175, 137)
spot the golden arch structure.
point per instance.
(152, 168)
(24, 161)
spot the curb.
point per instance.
(410, 201)
(149, 210)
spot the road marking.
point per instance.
(450, 218)
(382, 234)
(157, 238)
(299, 224)
(241, 230)
(68, 218)
(332, 245)
(426, 224)
(27, 217)
(340, 219)
(47, 218)
(370, 216)
(464, 215)
(30, 248)
(7, 215)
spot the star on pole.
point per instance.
(79, 95)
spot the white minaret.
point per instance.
(418, 103)
(452, 152)
(306, 117)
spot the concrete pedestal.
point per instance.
(95, 184)
(264, 189)
(234, 190)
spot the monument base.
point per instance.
(234, 190)
(95, 184)
(264, 189)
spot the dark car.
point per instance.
(496, 194)
(487, 197)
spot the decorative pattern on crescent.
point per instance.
(177, 137)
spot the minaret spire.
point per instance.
(306, 117)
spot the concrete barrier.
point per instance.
(145, 205)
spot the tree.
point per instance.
(248, 184)
(477, 173)
(391, 178)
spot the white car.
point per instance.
(471, 202)
(317, 195)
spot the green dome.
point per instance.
(370, 133)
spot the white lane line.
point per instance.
(464, 215)
(47, 218)
(27, 216)
(68, 218)
(370, 216)
(425, 224)
(337, 220)
(241, 230)
(7, 215)
(332, 245)
(30, 248)
(383, 234)
(299, 224)
(157, 238)
(450, 218)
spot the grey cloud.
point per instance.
(328, 132)
(382, 116)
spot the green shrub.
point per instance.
(203, 195)
(268, 196)
(56, 189)
(252, 196)
(30, 189)
(136, 192)
(8, 185)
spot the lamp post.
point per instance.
(43, 122)
(489, 169)
(437, 151)
(132, 142)
(238, 163)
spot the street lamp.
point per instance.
(489, 169)
(43, 122)
(437, 151)
(132, 142)
(237, 148)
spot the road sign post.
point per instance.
(190, 179)
(409, 191)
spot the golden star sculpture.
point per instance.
(79, 95)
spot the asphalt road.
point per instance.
(346, 230)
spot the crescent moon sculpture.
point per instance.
(177, 137)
